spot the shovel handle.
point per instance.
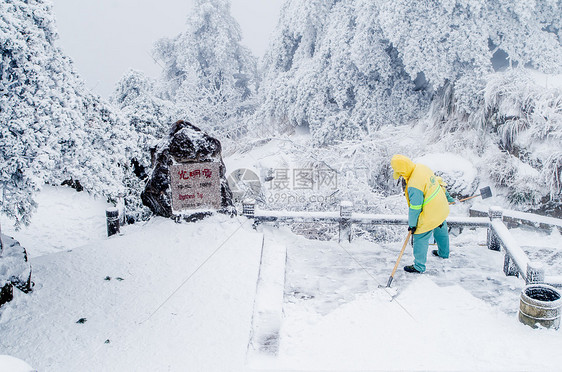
(470, 197)
(399, 258)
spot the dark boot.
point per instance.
(411, 269)
(436, 253)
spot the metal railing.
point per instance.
(516, 262)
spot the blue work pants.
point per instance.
(421, 244)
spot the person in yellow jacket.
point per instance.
(428, 209)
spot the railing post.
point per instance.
(249, 207)
(509, 268)
(492, 239)
(535, 273)
(346, 208)
(112, 215)
(121, 208)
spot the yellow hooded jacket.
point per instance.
(434, 207)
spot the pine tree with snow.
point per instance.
(208, 74)
(53, 128)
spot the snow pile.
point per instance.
(426, 326)
(458, 173)
(11, 364)
(65, 219)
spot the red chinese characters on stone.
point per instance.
(185, 175)
(195, 185)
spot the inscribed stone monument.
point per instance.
(195, 185)
(188, 175)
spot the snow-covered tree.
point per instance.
(527, 119)
(208, 74)
(345, 68)
(150, 117)
(479, 57)
(53, 129)
(456, 42)
(330, 68)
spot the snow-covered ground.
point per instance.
(146, 300)
(164, 296)
(460, 315)
(64, 219)
(11, 364)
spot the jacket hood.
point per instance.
(402, 166)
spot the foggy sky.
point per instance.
(105, 38)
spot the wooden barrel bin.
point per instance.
(540, 305)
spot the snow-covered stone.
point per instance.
(14, 269)
(186, 144)
(6, 292)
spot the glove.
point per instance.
(412, 229)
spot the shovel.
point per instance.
(399, 258)
(485, 193)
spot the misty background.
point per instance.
(106, 38)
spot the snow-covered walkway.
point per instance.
(460, 315)
(180, 297)
(146, 302)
